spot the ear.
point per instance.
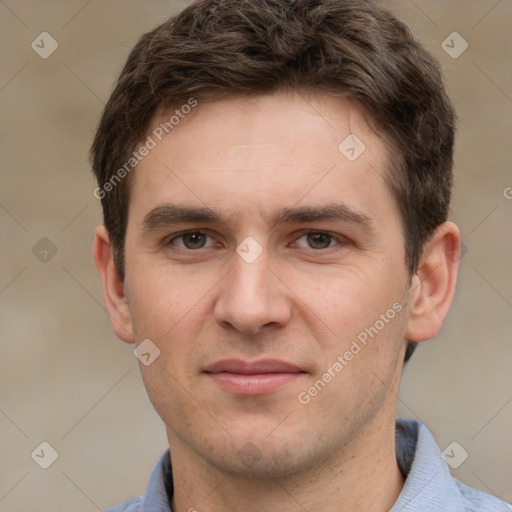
(113, 287)
(433, 285)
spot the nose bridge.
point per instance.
(250, 271)
(250, 283)
(250, 297)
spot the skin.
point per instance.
(303, 300)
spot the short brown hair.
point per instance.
(220, 48)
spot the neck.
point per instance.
(362, 476)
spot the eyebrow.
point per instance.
(169, 214)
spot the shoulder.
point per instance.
(429, 485)
(479, 501)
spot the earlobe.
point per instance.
(433, 286)
(113, 289)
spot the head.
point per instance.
(240, 109)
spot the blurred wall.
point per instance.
(64, 377)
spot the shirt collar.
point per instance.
(428, 485)
(155, 498)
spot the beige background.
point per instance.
(65, 378)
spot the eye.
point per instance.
(191, 240)
(317, 240)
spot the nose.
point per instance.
(251, 297)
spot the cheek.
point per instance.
(347, 299)
(163, 299)
(365, 312)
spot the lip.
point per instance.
(253, 378)
(252, 368)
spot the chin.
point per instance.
(261, 462)
(272, 453)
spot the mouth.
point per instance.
(253, 378)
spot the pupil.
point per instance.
(319, 237)
(194, 240)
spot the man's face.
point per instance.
(291, 301)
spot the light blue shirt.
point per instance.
(429, 487)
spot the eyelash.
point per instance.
(340, 240)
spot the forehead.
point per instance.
(264, 150)
(265, 122)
